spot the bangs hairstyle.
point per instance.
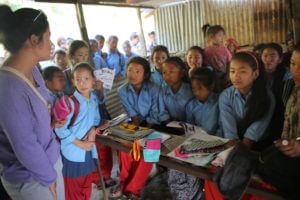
(213, 30)
(16, 27)
(75, 45)
(146, 66)
(206, 76)
(160, 48)
(178, 62)
(197, 48)
(59, 51)
(274, 46)
(259, 102)
(297, 48)
(82, 65)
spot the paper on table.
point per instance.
(174, 124)
(105, 75)
(199, 160)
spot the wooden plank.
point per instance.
(142, 38)
(83, 30)
(93, 2)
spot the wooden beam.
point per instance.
(93, 2)
(83, 30)
(142, 38)
(296, 19)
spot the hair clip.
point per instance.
(37, 16)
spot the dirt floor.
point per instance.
(155, 189)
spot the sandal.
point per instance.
(116, 193)
(109, 182)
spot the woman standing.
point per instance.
(30, 160)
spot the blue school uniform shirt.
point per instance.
(128, 57)
(232, 111)
(99, 62)
(172, 106)
(204, 115)
(69, 89)
(87, 117)
(116, 61)
(144, 105)
(157, 77)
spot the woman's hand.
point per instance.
(289, 147)
(52, 189)
(59, 124)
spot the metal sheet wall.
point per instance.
(113, 103)
(248, 21)
(179, 26)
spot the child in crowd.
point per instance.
(127, 50)
(78, 138)
(246, 108)
(78, 53)
(203, 110)
(194, 58)
(115, 59)
(232, 45)
(60, 59)
(152, 39)
(176, 94)
(280, 81)
(98, 60)
(158, 56)
(139, 97)
(62, 43)
(217, 55)
(55, 82)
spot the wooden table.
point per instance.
(201, 172)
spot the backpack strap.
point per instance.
(76, 110)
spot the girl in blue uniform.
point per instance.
(158, 56)
(176, 94)
(77, 138)
(246, 108)
(139, 97)
(203, 110)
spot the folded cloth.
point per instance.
(201, 146)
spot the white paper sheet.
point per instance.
(105, 75)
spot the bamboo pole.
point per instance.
(142, 39)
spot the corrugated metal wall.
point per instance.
(179, 26)
(248, 21)
(113, 104)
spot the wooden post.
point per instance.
(83, 30)
(142, 38)
(296, 19)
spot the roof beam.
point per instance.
(116, 3)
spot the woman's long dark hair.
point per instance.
(259, 102)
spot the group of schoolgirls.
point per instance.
(234, 96)
(197, 92)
